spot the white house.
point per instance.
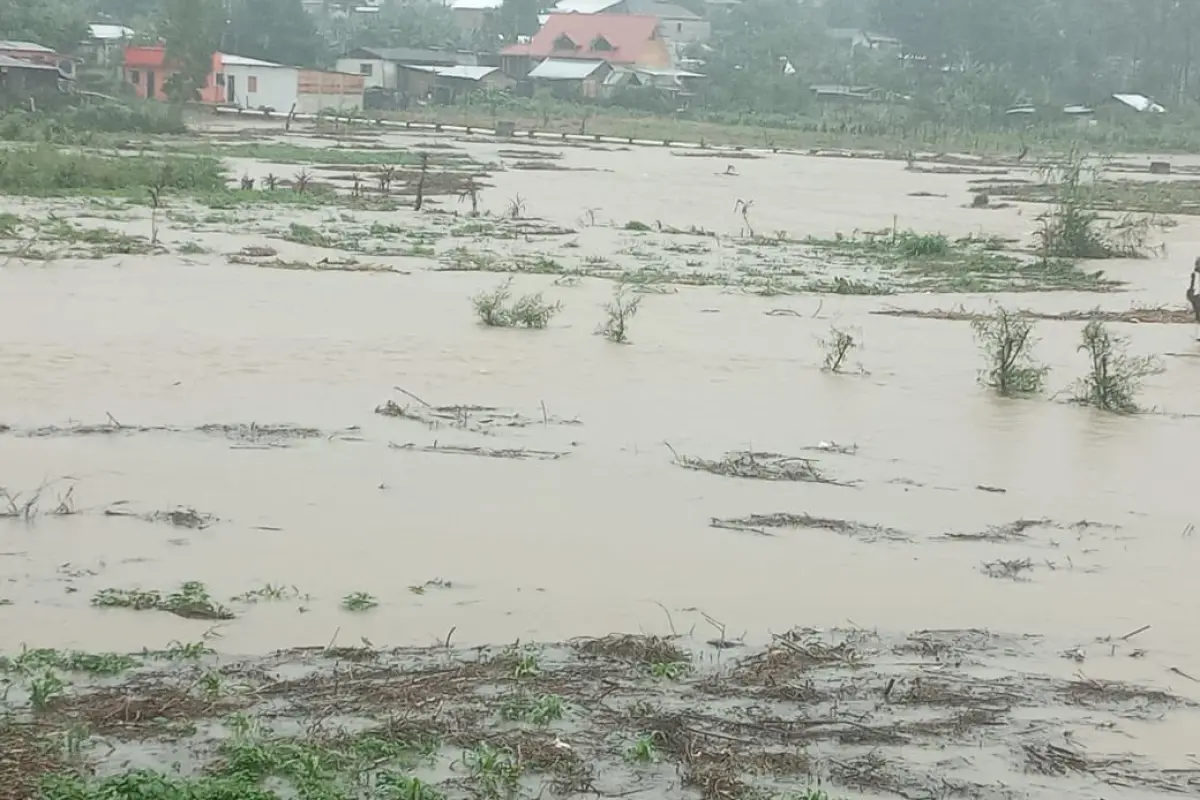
(256, 84)
(252, 83)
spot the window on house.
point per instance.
(252, 83)
(366, 69)
(564, 43)
(679, 27)
(220, 79)
(601, 44)
(135, 76)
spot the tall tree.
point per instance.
(274, 30)
(519, 18)
(418, 23)
(59, 24)
(191, 31)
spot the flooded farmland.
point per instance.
(232, 432)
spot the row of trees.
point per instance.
(964, 51)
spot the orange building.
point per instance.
(147, 70)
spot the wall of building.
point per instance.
(260, 87)
(139, 62)
(685, 31)
(319, 91)
(383, 73)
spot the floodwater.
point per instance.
(598, 540)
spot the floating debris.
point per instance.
(518, 454)
(757, 465)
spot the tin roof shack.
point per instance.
(318, 91)
(38, 54)
(22, 82)
(447, 84)
(569, 78)
(378, 65)
(105, 45)
(257, 84)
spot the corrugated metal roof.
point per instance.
(1139, 102)
(109, 33)
(20, 63)
(466, 73)
(564, 69)
(626, 36)
(584, 6)
(475, 5)
(32, 47)
(229, 60)
(662, 72)
(469, 73)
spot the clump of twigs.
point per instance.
(762, 524)
(761, 466)
(528, 311)
(515, 454)
(1005, 338)
(181, 517)
(1114, 377)
(1011, 569)
(838, 346)
(620, 310)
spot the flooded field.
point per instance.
(231, 429)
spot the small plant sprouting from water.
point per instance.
(528, 311)
(496, 773)
(539, 710)
(158, 197)
(359, 601)
(1114, 377)
(516, 208)
(472, 190)
(644, 750)
(922, 245)
(669, 670)
(302, 181)
(838, 346)
(1006, 341)
(620, 310)
(44, 688)
(743, 207)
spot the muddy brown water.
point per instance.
(594, 541)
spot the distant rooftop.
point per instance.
(31, 47)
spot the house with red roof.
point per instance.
(618, 40)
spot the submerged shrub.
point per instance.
(1006, 341)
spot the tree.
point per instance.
(59, 24)
(274, 30)
(420, 23)
(191, 30)
(519, 18)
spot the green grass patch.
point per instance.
(44, 658)
(277, 153)
(46, 170)
(191, 600)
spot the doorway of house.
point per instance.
(230, 91)
(151, 89)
